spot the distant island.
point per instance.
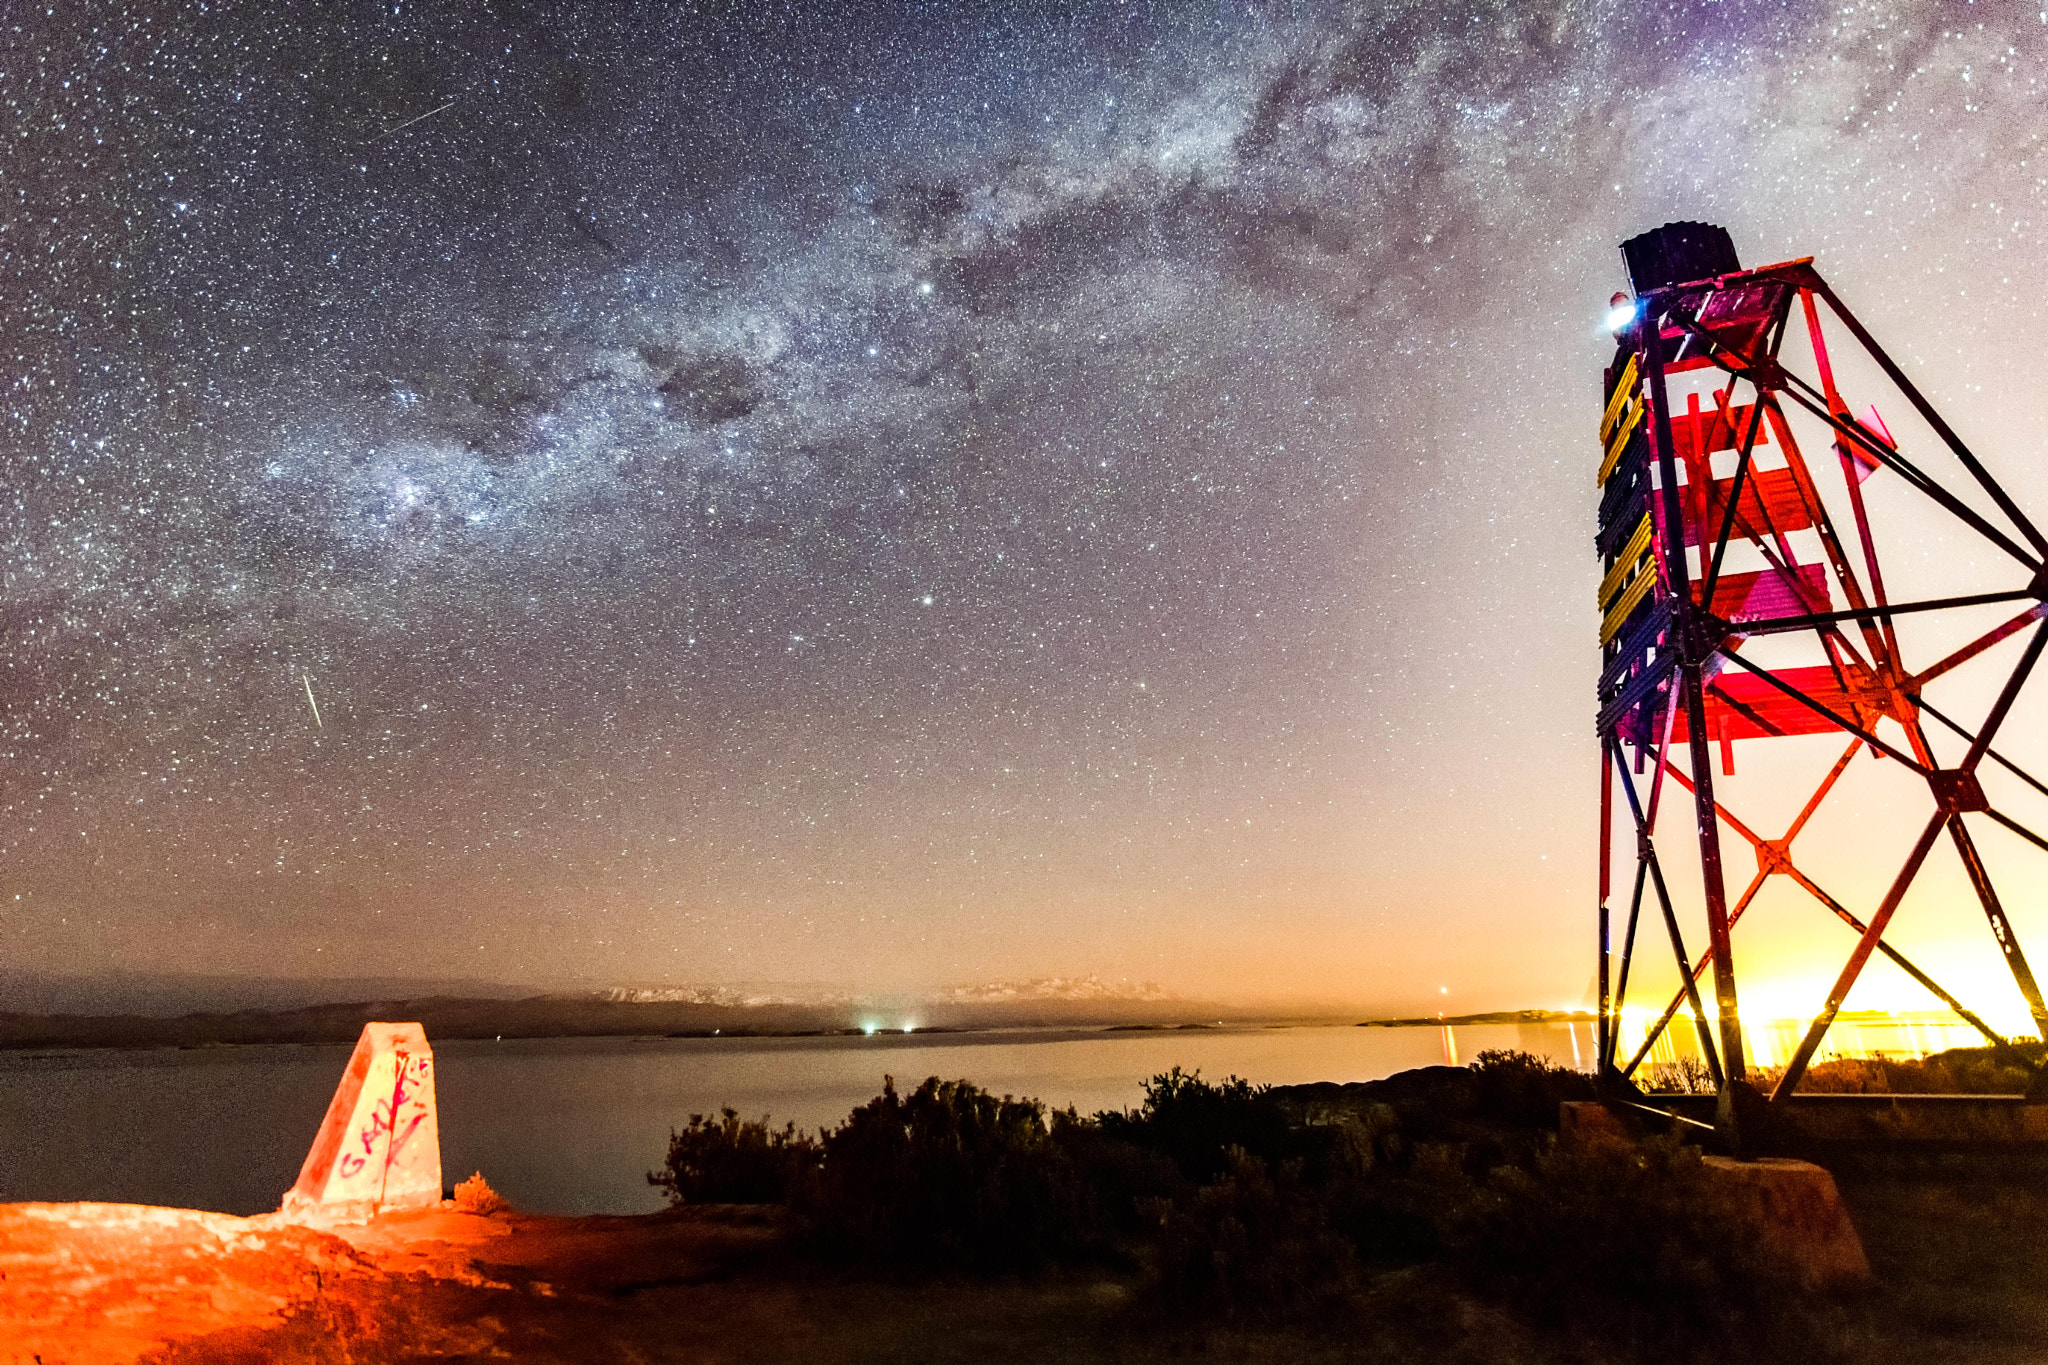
(585, 1016)
(1492, 1017)
(678, 1014)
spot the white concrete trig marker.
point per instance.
(379, 1146)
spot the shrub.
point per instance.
(1257, 1206)
(1252, 1244)
(1523, 1090)
(951, 1175)
(1196, 1123)
(1975, 1070)
(733, 1161)
(1686, 1076)
(1635, 1243)
(1116, 1176)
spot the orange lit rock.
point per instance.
(1801, 1215)
(379, 1146)
(125, 1284)
(1588, 1123)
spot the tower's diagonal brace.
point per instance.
(1687, 991)
(1644, 821)
(2014, 958)
(1646, 853)
(1796, 1068)
(1898, 958)
(1996, 757)
(1807, 397)
(2001, 927)
(1849, 727)
(1685, 971)
(1713, 574)
(1933, 418)
(1966, 847)
(1628, 952)
(1979, 645)
(1743, 709)
(1841, 912)
(2017, 828)
(2006, 697)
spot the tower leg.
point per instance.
(1710, 872)
(1603, 1053)
(1685, 972)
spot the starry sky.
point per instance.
(891, 495)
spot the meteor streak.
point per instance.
(307, 679)
(393, 132)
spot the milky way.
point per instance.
(891, 497)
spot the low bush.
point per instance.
(1255, 1244)
(1975, 1070)
(949, 1175)
(730, 1160)
(1256, 1205)
(1635, 1243)
(1117, 1176)
(1686, 1076)
(1195, 1123)
(1522, 1091)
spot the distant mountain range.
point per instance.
(192, 1010)
(197, 1011)
(728, 997)
(171, 994)
(1043, 988)
(1052, 988)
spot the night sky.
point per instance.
(892, 497)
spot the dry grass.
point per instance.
(475, 1195)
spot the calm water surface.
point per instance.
(573, 1125)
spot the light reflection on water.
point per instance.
(572, 1125)
(1769, 1043)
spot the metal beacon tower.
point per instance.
(1743, 599)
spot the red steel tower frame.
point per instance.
(1702, 384)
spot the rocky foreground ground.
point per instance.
(1962, 1277)
(120, 1282)
(82, 1284)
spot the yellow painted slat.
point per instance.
(1638, 544)
(1617, 615)
(1621, 394)
(1622, 431)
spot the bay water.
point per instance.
(573, 1125)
